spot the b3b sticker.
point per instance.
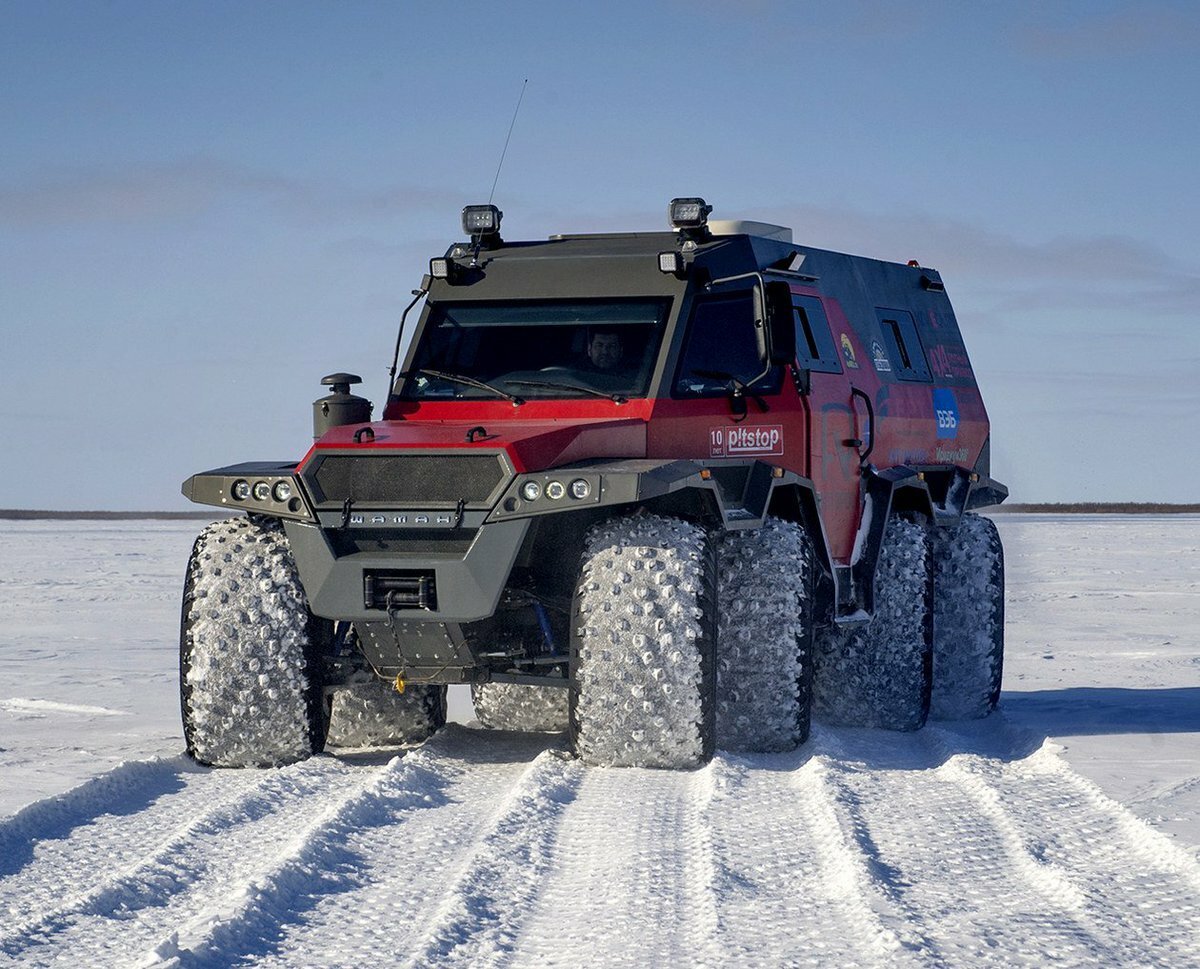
(734, 440)
(945, 410)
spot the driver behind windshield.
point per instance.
(604, 351)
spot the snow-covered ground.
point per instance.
(960, 845)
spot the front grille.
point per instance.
(413, 480)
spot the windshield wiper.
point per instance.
(458, 378)
(553, 385)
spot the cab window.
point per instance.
(815, 349)
(903, 345)
(721, 347)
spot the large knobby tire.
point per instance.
(968, 619)
(878, 675)
(514, 706)
(643, 636)
(371, 714)
(249, 664)
(764, 641)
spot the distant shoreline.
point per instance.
(30, 514)
(1046, 508)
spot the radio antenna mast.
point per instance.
(507, 139)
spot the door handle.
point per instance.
(855, 442)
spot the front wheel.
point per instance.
(643, 636)
(249, 665)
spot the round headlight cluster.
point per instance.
(579, 489)
(282, 491)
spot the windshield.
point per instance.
(547, 348)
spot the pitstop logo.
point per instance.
(736, 439)
(945, 411)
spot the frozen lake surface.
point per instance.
(1065, 829)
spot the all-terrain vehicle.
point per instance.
(668, 491)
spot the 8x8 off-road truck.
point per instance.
(668, 491)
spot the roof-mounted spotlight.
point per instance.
(482, 224)
(441, 267)
(689, 216)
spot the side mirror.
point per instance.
(781, 324)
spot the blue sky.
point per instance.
(204, 207)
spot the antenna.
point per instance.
(507, 139)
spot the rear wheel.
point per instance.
(250, 670)
(371, 713)
(764, 655)
(968, 619)
(643, 634)
(512, 706)
(878, 675)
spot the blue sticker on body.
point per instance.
(945, 411)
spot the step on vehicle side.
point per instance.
(668, 491)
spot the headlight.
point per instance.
(262, 491)
(282, 490)
(580, 488)
(555, 490)
(531, 491)
(240, 490)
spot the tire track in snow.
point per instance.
(987, 888)
(116, 796)
(480, 918)
(1137, 889)
(130, 909)
(788, 891)
(842, 877)
(419, 870)
(136, 859)
(884, 884)
(970, 894)
(630, 878)
(317, 861)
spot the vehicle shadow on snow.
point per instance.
(1087, 710)
(871, 748)
(1018, 728)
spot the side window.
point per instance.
(720, 345)
(903, 345)
(815, 349)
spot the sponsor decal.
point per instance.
(848, 353)
(734, 440)
(908, 456)
(957, 456)
(945, 411)
(950, 362)
(879, 358)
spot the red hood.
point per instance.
(531, 445)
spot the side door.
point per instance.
(701, 420)
(830, 366)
